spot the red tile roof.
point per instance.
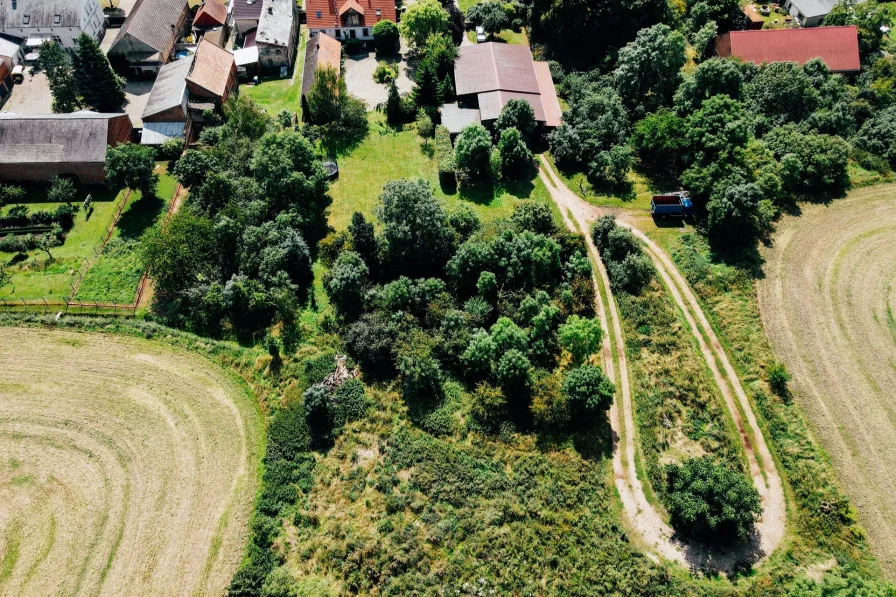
(351, 5)
(212, 13)
(212, 68)
(329, 11)
(837, 46)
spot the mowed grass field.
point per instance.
(828, 302)
(389, 153)
(127, 467)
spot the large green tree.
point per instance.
(56, 62)
(648, 71)
(421, 20)
(101, 89)
(472, 151)
(132, 166)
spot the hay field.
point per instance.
(828, 303)
(127, 467)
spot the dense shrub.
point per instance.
(445, 155)
(385, 35)
(711, 502)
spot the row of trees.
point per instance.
(81, 79)
(237, 257)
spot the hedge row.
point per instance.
(18, 217)
(445, 154)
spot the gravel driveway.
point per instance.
(359, 77)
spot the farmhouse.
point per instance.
(278, 28)
(321, 51)
(213, 74)
(348, 19)
(146, 40)
(35, 21)
(40, 147)
(837, 46)
(491, 74)
(809, 13)
(243, 16)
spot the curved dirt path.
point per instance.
(126, 467)
(828, 304)
(763, 471)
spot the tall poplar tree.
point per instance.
(100, 88)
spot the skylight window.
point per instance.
(319, 15)
(26, 19)
(57, 19)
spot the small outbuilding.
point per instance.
(456, 118)
(212, 75)
(320, 51)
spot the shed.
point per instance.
(157, 133)
(212, 13)
(168, 98)
(456, 119)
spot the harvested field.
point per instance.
(828, 304)
(127, 467)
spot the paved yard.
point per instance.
(359, 78)
(32, 96)
(136, 95)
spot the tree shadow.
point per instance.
(140, 216)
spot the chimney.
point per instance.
(270, 10)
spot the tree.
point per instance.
(717, 136)
(479, 356)
(421, 20)
(516, 158)
(580, 337)
(489, 408)
(868, 18)
(416, 237)
(595, 122)
(345, 284)
(778, 378)
(472, 151)
(62, 190)
(385, 35)
(660, 141)
(513, 372)
(589, 394)
(54, 60)
(323, 98)
(49, 240)
(490, 15)
(425, 127)
(426, 89)
(442, 52)
(101, 89)
(533, 216)
(11, 195)
(611, 167)
(193, 167)
(364, 241)
(647, 73)
(370, 341)
(507, 335)
(783, 92)
(394, 107)
(709, 501)
(179, 253)
(716, 76)
(132, 166)
(823, 159)
(732, 216)
(456, 21)
(518, 114)
(878, 135)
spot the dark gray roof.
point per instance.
(41, 13)
(170, 88)
(248, 10)
(153, 22)
(494, 67)
(456, 119)
(814, 8)
(276, 21)
(80, 137)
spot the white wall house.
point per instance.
(61, 20)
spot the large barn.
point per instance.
(37, 148)
(837, 46)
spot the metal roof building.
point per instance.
(837, 46)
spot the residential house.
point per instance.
(489, 75)
(36, 21)
(243, 16)
(212, 75)
(809, 13)
(348, 19)
(11, 52)
(837, 46)
(320, 51)
(37, 148)
(165, 115)
(278, 29)
(147, 38)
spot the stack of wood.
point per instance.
(341, 374)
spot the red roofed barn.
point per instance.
(212, 13)
(837, 46)
(348, 19)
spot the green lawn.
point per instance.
(36, 276)
(508, 36)
(465, 4)
(636, 198)
(275, 94)
(388, 154)
(115, 274)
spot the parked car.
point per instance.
(480, 35)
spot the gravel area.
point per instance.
(359, 77)
(31, 96)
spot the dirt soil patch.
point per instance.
(828, 303)
(127, 467)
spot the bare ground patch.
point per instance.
(126, 467)
(828, 302)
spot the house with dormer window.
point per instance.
(348, 19)
(36, 21)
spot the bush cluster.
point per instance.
(628, 268)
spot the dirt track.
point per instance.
(642, 515)
(126, 467)
(828, 303)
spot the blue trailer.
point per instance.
(677, 204)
